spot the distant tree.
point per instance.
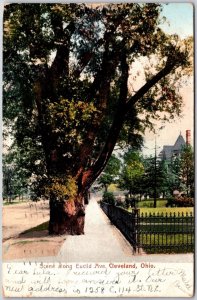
(186, 172)
(155, 180)
(110, 173)
(132, 172)
(180, 172)
(173, 179)
(69, 91)
(15, 180)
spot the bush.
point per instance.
(127, 201)
(170, 202)
(119, 202)
(184, 201)
(109, 198)
(180, 201)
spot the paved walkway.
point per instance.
(103, 242)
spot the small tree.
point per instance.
(132, 172)
(110, 172)
(173, 179)
(15, 179)
(155, 177)
(187, 169)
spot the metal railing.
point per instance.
(154, 233)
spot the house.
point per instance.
(171, 151)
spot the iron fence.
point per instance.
(154, 233)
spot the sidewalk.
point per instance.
(103, 242)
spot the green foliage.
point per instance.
(180, 172)
(15, 179)
(75, 104)
(154, 179)
(41, 227)
(68, 118)
(61, 189)
(150, 203)
(110, 172)
(132, 172)
(149, 175)
(113, 188)
(109, 198)
(187, 169)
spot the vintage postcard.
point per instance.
(98, 149)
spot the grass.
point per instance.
(11, 203)
(167, 243)
(167, 210)
(27, 242)
(166, 235)
(150, 203)
(41, 227)
(6, 203)
(112, 188)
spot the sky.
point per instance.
(180, 21)
(180, 17)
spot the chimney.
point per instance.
(188, 137)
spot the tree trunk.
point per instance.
(86, 197)
(67, 217)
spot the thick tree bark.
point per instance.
(67, 217)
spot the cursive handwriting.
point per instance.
(86, 280)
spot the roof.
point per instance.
(169, 150)
(180, 142)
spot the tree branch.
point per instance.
(91, 174)
(150, 83)
(60, 65)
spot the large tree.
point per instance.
(71, 93)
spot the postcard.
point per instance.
(98, 149)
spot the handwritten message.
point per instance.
(31, 279)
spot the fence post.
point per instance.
(136, 214)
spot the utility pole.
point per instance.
(155, 176)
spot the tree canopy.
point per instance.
(70, 84)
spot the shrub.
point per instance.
(127, 201)
(180, 201)
(184, 201)
(119, 202)
(170, 202)
(109, 198)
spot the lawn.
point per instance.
(167, 243)
(167, 210)
(150, 203)
(41, 227)
(5, 202)
(172, 233)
